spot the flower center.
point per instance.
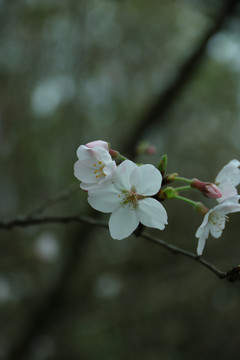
(130, 198)
(99, 166)
(218, 221)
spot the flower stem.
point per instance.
(183, 179)
(183, 188)
(191, 202)
(121, 157)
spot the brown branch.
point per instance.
(29, 221)
(176, 250)
(24, 221)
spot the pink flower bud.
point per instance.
(212, 191)
(144, 147)
(99, 143)
(151, 150)
(207, 189)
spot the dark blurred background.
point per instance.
(121, 71)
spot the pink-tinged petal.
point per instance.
(212, 191)
(230, 172)
(123, 173)
(151, 213)
(100, 143)
(146, 179)
(122, 222)
(104, 199)
(84, 173)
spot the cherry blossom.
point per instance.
(214, 221)
(95, 165)
(127, 198)
(227, 180)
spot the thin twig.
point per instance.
(41, 220)
(176, 250)
(24, 221)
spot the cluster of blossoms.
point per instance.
(134, 193)
(124, 190)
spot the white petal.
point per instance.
(101, 154)
(230, 172)
(122, 222)
(84, 173)
(201, 245)
(105, 199)
(205, 222)
(109, 170)
(217, 229)
(123, 173)
(227, 189)
(86, 156)
(146, 179)
(151, 213)
(227, 207)
(203, 233)
(93, 186)
(214, 221)
(89, 156)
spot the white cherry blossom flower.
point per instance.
(127, 198)
(214, 221)
(227, 180)
(95, 165)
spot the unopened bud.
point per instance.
(207, 189)
(144, 147)
(163, 164)
(151, 150)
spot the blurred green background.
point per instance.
(77, 71)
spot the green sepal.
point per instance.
(162, 164)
